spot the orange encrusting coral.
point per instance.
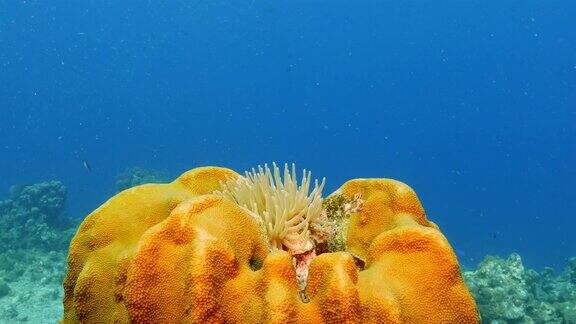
(206, 262)
(413, 258)
(104, 244)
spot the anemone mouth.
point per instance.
(292, 217)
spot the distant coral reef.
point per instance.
(506, 292)
(34, 234)
(135, 176)
(33, 218)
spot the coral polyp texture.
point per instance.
(195, 251)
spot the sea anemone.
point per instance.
(290, 216)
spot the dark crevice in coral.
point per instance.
(360, 264)
(255, 263)
(304, 297)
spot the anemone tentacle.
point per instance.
(284, 208)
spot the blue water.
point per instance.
(472, 103)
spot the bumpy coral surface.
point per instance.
(175, 253)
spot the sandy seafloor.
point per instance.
(36, 295)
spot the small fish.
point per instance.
(86, 165)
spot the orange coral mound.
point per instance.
(174, 253)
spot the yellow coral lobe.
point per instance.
(392, 234)
(107, 238)
(387, 204)
(176, 253)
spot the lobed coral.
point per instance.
(178, 253)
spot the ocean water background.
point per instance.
(472, 103)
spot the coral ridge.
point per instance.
(184, 253)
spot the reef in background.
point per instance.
(33, 218)
(135, 176)
(506, 292)
(34, 235)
